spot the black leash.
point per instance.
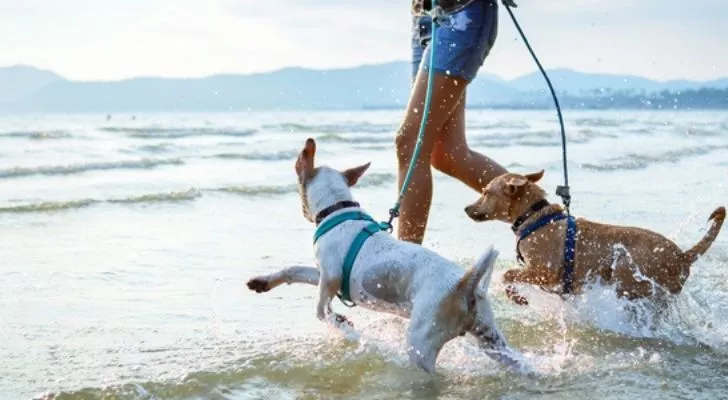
(562, 191)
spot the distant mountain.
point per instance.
(567, 80)
(27, 89)
(19, 81)
(290, 88)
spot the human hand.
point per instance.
(509, 3)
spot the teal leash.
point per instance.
(371, 229)
(394, 211)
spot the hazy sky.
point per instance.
(114, 39)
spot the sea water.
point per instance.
(125, 245)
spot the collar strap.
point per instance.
(331, 223)
(536, 207)
(332, 209)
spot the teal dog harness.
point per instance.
(328, 224)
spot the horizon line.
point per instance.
(482, 75)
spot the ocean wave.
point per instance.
(156, 148)
(261, 190)
(189, 194)
(47, 206)
(368, 181)
(50, 206)
(175, 133)
(587, 133)
(700, 132)
(352, 127)
(574, 338)
(279, 372)
(377, 179)
(258, 156)
(144, 163)
(371, 180)
(601, 122)
(642, 161)
(37, 134)
(336, 138)
(499, 125)
(375, 147)
(541, 138)
(640, 131)
(525, 139)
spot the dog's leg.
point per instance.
(324, 312)
(425, 337)
(525, 276)
(520, 276)
(297, 274)
(630, 281)
(514, 296)
(492, 341)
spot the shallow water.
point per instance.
(125, 246)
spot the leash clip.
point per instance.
(440, 17)
(565, 194)
(387, 226)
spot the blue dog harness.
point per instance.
(328, 224)
(569, 245)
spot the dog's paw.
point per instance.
(342, 320)
(512, 294)
(259, 284)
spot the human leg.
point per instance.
(463, 41)
(452, 155)
(415, 205)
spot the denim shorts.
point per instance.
(464, 39)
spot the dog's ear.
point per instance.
(305, 160)
(535, 177)
(514, 183)
(481, 271)
(352, 175)
(487, 277)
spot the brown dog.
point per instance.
(641, 263)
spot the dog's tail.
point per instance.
(483, 268)
(718, 216)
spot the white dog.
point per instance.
(441, 300)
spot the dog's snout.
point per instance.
(474, 213)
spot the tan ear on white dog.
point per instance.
(352, 175)
(305, 160)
